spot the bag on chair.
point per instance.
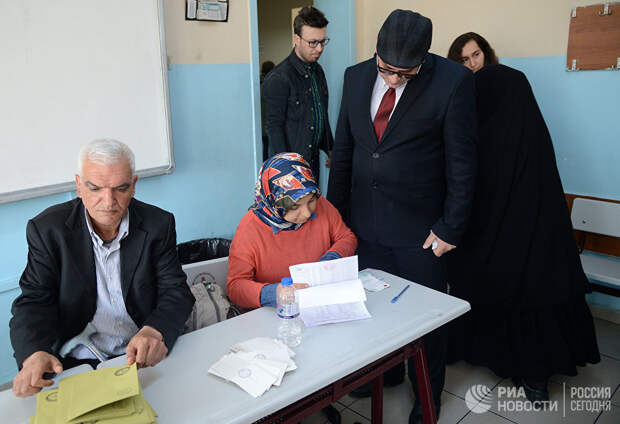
(211, 306)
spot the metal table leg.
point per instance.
(424, 383)
(377, 400)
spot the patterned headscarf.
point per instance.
(282, 181)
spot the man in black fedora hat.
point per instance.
(403, 165)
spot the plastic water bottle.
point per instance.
(289, 329)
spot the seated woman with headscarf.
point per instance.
(289, 223)
(518, 263)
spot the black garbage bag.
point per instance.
(203, 249)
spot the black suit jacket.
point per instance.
(59, 284)
(422, 174)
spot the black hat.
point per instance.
(404, 39)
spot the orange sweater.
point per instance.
(259, 257)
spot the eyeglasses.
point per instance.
(315, 43)
(399, 74)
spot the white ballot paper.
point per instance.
(248, 375)
(255, 365)
(271, 349)
(275, 368)
(335, 293)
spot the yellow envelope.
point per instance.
(144, 414)
(86, 392)
(47, 407)
(120, 408)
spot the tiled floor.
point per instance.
(460, 377)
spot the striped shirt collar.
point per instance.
(123, 229)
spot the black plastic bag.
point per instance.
(203, 249)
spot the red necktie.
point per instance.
(383, 113)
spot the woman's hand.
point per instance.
(299, 286)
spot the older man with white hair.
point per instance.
(104, 259)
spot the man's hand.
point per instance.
(30, 379)
(299, 286)
(442, 246)
(328, 164)
(146, 348)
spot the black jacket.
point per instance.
(422, 174)
(59, 284)
(287, 91)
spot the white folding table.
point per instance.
(332, 360)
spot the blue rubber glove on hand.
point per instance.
(268, 295)
(330, 256)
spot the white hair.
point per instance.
(106, 151)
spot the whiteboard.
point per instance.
(73, 71)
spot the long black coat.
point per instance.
(422, 174)
(518, 264)
(59, 284)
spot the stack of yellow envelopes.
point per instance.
(105, 396)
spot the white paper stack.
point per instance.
(255, 365)
(371, 281)
(335, 294)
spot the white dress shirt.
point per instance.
(115, 328)
(378, 91)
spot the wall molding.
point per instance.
(605, 313)
(9, 284)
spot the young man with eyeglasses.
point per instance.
(296, 96)
(403, 166)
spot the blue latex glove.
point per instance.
(268, 295)
(330, 256)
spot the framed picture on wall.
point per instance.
(206, 10)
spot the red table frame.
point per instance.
(373, 372)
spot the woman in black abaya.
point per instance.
(518, 264)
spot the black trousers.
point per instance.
(423, 267)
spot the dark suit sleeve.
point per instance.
(327, 142)
(34, 325)
(276, 93)
(460, 135)
(339, 187)
(174, 299)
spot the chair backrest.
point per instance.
(596, 216)
(213, 270)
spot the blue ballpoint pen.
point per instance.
(399, 294)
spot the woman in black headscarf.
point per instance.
(518, 264)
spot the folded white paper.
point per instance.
(335, 293)
(275, 368)
(262, 343)
(255, 365)
(371, 282)
(325, 272)
(267, 348)
(250, 377)
(327, 314)
(330, 294)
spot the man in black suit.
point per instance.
(403, 164)
(105, 259)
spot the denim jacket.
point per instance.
(287, 91)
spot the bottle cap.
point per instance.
(287, 281)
